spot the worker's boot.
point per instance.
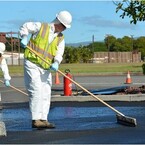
(48, 124)
(38, 124)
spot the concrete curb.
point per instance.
(24, 99)
(130, 97)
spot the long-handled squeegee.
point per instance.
(121, 118)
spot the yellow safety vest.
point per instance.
(41, 45)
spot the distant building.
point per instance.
(116, 57)
(14, 58)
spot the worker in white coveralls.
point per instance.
(48, 41)
(4, 66)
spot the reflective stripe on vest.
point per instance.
(42, 47)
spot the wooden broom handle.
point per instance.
(77, 83)
(16, 89)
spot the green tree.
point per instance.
(98, 46)
(117, 45)
(68, 54)
(134, 9)
(86, 54)
(76, 55)
(109, 42)
(127, 43)
(140, 46)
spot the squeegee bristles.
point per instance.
(125, 120)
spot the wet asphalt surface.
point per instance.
(76, 122)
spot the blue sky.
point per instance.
(90, 18)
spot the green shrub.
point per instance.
(143, 67)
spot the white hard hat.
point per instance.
(65, 18)
(2, 47)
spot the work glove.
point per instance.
(24, 42)
(54, 66)
(7, 83)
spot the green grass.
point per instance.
(89, 68)
(103, 68)
(14, 71)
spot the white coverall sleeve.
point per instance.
(29, 28)
(60, 52)
(5, 70)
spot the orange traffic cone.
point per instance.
(57, 81)
(128, 79)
